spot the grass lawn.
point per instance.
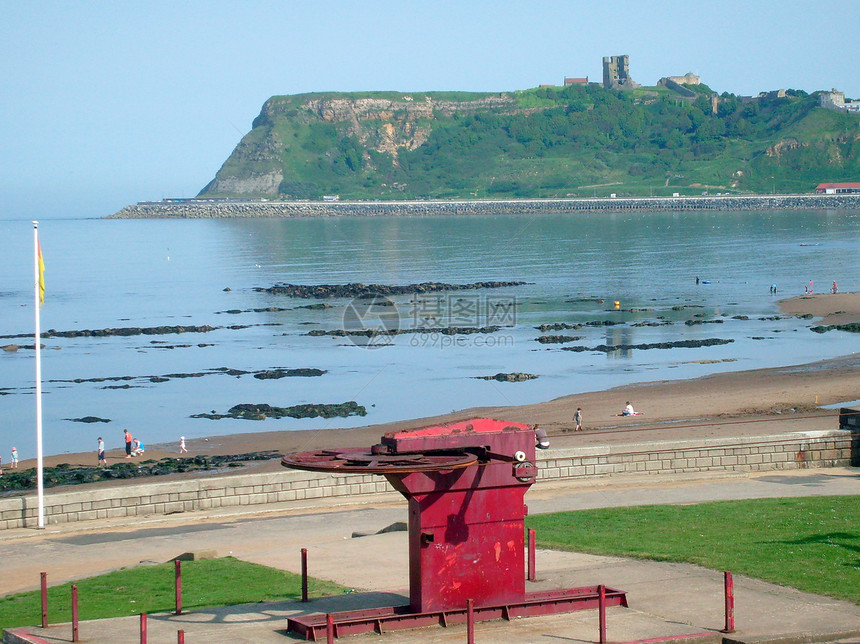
(812, 544)
(150, 589)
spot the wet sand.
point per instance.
(726, 397)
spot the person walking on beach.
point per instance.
(14, 458)
(834, 289)
(102, 460)
(128, 439)
(182, 449)
(577, 420)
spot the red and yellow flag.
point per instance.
(41, 275)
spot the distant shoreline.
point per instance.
(226, 208)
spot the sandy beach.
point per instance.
(754, 395)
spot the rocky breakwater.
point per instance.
(205, 208)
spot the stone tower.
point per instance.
(616, 73)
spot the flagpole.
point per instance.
(38, 334)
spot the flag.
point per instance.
(41, 275)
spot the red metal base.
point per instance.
(549, 602)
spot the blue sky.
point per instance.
(109, 103)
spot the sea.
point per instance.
(647, 273)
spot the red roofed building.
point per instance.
(837, 188)
(576, 81)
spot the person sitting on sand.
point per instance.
(628, 410)
(541, 439)
(138, 448)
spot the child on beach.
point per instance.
(14, 458)
(182, 449)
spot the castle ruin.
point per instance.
(616, 73)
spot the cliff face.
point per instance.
(382, 125)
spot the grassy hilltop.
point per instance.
(545, 142)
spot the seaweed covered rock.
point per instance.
(65, 474)
(851, 327)
(558, 339)
(322, 291)
(264, 411)
(681, 344)
(509, 377)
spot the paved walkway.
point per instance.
(666, 600)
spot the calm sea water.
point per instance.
(116, 273)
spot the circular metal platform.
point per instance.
(363, 461)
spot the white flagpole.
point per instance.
(38, 334)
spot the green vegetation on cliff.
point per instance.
(546, 142)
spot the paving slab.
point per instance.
(666, 600)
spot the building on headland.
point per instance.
(687, 79)
(576, 81)
(838, 188)
(616, 73)
(777, 93)
(835, 100)
(670, 82)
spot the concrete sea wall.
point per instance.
(830, 448)
(196, 209)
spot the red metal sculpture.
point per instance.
(465, 483)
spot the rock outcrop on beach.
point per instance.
(440, 330)
(264, 411)
(557, 339)
(516, 376)
(324, 291)
(852, 327)
(274, 373)
(680, 344)
(65, 474)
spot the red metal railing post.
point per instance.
(177, 579)
(329, 629)
(532, 546)
(143, 628)
(180, 637)
(729, 585)
(44, 577)
(601, 611)
(470, 621)
(75, 613)
(304, 574)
